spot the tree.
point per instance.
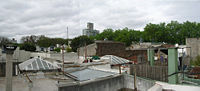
(31, 39)
(173, 32)
(80, 41)
(106, 34)
(28, 47)
(68, 49)
(47, 42)
(44, 42)
(57, 49)
(4, 41)
(127, 36)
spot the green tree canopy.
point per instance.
(4, 41)
(125, 35)
(47, 42)
(80, 41)
(28, 47)
(172, 32)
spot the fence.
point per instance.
(159, 73)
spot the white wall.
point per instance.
(42, 55)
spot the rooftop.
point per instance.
(114, 60)
(36, 64)
(90, 74)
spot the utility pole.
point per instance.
(85, 52)
(9, 65)
(67, 37)
(67, 33)
(135, 86)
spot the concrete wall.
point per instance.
(194, 43)
(142, 84)
(68, 57)
(43, 55)
(21, 55)
(108, 84)
(91, 50)
(3, 57)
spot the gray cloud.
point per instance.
(51, 17)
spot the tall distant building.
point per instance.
(89, 31)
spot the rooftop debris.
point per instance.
(194, 73)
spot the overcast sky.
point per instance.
(51, 17)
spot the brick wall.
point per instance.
(117, 49)
(136, 55)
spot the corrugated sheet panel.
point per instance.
(37, 64)
(88, 74)
(116, 60)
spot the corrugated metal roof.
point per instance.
(114, 60)
(35, 64)
(88, 74)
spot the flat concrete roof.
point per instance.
(19, 84)
(46, 83)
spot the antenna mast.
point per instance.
(67, 37)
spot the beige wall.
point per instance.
(194, 43)
(91, 50)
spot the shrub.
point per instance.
(57, 49)
(196, 61)
(69, 49)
